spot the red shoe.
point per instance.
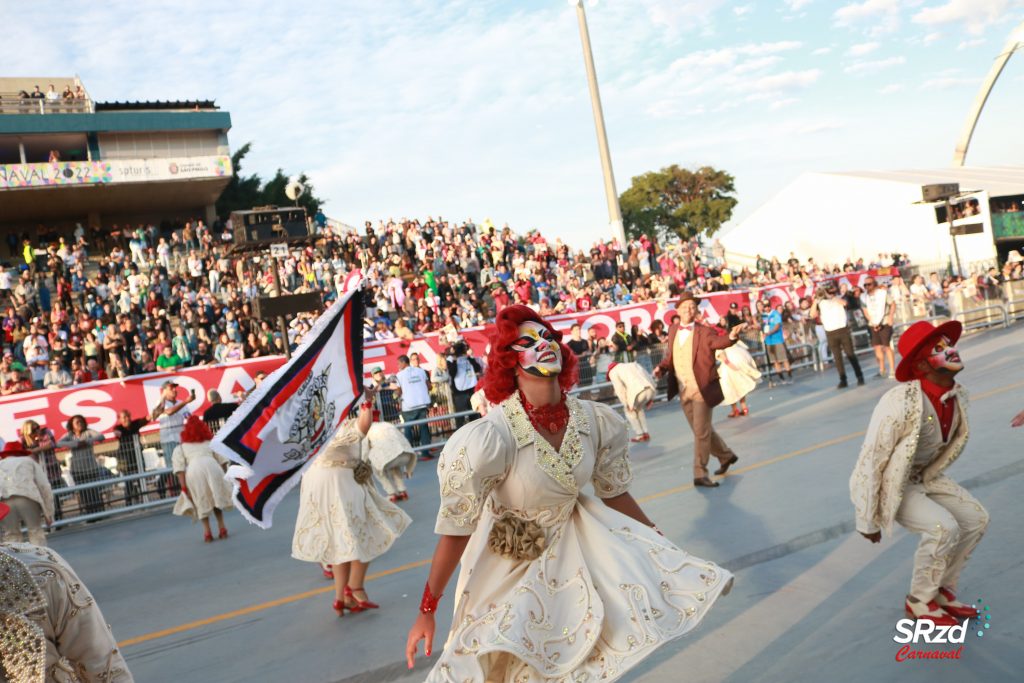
(208, 537)
(360, 604)
(339, 607)
(929, 612)
(946, 599)
(328, 573)
(637, 439)
(223, 533)
(404, 495)
(745, 412)
(646, 436)
(394, 498)
(735, 412)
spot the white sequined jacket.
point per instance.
(884, 466)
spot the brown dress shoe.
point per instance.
(705, 481)
(726, 465)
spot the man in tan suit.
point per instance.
(690, 364)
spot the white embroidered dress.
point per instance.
(603, 592)
(339, 519)
(204, 476)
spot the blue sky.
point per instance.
(479, 108)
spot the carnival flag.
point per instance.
(285, 422)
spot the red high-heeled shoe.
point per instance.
(404, 495)
(208, 537)
(745, 411)
(735, 412)
(339, 607)
(223, 533)
(361, 604)
(328, 572)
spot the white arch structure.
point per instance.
(1015, 43)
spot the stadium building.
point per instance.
(73, 160)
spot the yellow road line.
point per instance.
(260, 607)
(422, 563)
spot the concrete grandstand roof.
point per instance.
(998, 181)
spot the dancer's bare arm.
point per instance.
(442, 566)
(1018, 419)
(627, 505)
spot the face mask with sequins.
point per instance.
(944, 356)
(539, 352)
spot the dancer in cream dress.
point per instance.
(51, 628)
(24, 487)
(555, 585)
(200, 473)
(635, 390)
(343, 522)
(392, 458)
(738, 375)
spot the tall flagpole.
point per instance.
(611, 195)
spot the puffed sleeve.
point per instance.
(178, 463)
(80, 633)
(612, 473)
(473, 462)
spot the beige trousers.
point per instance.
(637, 420)
(24, 512)
(706, 441)
(393, 480)
(951, 522)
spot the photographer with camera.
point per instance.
(464, 372)
(831, 308)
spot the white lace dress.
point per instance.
(554, 585)
(339, 519)
(204, 476)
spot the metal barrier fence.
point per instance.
(111, 478)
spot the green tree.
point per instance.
(678, 202)
(245, 192)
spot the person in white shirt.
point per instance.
(880, 311)
(832, 310)
(413, 384)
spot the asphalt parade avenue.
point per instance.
(813, 600)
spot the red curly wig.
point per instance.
(499, 381)
(195, 431)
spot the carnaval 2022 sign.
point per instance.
(99, 402)
(13, 176)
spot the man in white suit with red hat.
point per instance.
(917, 431)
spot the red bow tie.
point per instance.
(688, 328)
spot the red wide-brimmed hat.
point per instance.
(922, 335)
(4, 509)
(13, 448)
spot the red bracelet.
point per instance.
(429, 603)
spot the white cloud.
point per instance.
(682, 16)
(868, 67)
(891, 89)
(821, 51)
(861, 49)
(882, 16)
(780, 104)
(949, 82)
(797, 5)
(931, 37)
(743, 10)
(787, 80)
(967, 44)
(974, 15)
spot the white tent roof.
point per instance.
(860, 214)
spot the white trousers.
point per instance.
(24, 512)
(393, 480)
(637, 419)
(951, 522)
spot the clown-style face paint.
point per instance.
(539, 353)
(945, 357)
